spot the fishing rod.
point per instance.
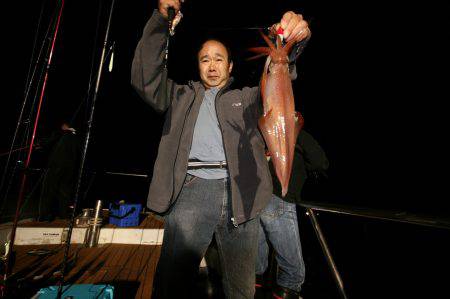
(10, 247)
(84, 152)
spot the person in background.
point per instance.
(58, 184)
(279, 224)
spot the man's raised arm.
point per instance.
(147, 67)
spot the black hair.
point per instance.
(227, 48)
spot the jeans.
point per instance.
(279, 226)
(202, 212)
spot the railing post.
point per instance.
(326, 251)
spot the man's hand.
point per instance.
(294, 27)
(164, 5)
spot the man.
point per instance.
(59, 180)
(211, 177)
(279, 223)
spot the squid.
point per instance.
(280, 124)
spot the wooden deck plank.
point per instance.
(150, 269)
(114, 264)
(142, 275)
(87, 257)
(96, 265)
(133, 274)
(38, 266)
(129, 268)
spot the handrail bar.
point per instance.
(389, 215)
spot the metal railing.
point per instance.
(395, 216)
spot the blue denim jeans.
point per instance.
(279, 226)
(202, 212)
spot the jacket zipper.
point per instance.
(233, 220)
(188, 112)
(181, 136)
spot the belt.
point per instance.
(197, 164)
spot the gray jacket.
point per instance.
(238, 111)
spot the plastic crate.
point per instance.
(116, 212)
(78, 291)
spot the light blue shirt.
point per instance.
(207, 142)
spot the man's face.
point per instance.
(213, 64)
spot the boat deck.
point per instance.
(129, 268)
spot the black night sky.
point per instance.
(371, 87)
(365, 87)
(361, 88)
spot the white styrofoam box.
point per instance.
(106, 236)
(127, 236)
(46, 235)
(54, 235)
(153, 236)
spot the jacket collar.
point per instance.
(198, 86)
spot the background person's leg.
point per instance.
(283, 234)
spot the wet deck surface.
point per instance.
(129, 268)
(376, 260)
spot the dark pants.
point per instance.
(202, 212)
(56, 193)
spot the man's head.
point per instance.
(66, 127)
(214, 63)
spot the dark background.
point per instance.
(371, 87)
